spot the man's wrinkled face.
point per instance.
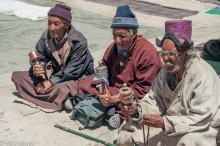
(57, 27)
(172, 59)
(123, 38)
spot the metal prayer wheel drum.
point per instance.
(126, 94)
(34, 57)
(101, 71)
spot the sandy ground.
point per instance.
(22, 125)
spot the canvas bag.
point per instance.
(89, 112)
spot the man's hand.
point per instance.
(153, 120)
(129, 109)
(39, 88)
(43, 87)
(105, 98)
(38, 70)
(47, 85)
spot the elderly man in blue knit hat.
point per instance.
(130, 59)
(64, 57)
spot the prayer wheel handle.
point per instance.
(102, 73)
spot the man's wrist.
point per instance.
(114, 99)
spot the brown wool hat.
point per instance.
(61, 11)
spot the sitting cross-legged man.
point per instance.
(63, 57)
(130, 59)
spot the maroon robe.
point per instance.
(53, 99)
(138, 69)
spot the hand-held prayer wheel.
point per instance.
(101, 73)
(126, 94)
(34, 57)
(101, 70)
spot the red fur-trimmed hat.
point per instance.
(180, 32)
(182, 29)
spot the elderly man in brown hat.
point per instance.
(182, 107)
(64, 57)
(130, 59)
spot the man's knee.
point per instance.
(21, 78)
(60, 87)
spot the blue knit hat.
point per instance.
(124, 18)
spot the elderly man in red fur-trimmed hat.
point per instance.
(64, 57)
(182, 107)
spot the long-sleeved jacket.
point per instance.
(191, 111)
(78, 61)
(193, 105)
(138, 69)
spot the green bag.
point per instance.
(89, 112)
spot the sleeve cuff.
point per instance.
(168, 127)
(98, 84)
(54, 80)
(179, 124)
